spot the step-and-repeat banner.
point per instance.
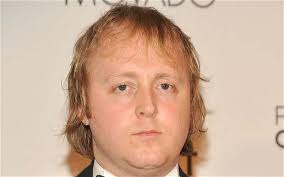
(241, 50)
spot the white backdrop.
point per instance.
(241, 49)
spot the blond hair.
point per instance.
(153, 26)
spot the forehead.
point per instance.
(124, 46)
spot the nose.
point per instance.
(146, 106)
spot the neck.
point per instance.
(123, 168)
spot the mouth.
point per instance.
(147, 133)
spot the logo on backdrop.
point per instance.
(169, 3)
(279, 113)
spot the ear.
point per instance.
(86, 121)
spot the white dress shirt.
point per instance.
(99, 170)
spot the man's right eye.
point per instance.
(121, 89)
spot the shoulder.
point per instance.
(88, 171)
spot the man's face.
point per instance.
(139, 106)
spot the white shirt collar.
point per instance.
(99, 170)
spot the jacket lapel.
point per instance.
(88, 171)
(181, 173)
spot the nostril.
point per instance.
(147, 108)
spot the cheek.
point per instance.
(107, 114)
(175, 115)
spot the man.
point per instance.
(134, 98)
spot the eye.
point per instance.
(122, 87)
(166, 87)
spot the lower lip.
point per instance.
(146, 134)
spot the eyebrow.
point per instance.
(125, 74)
(134, 75)
(165, 75)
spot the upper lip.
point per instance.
(147, 132)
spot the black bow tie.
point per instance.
(99, 176)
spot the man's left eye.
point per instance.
(166, 86)
(122, 87)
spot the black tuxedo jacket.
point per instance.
(88, 172)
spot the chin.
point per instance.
(147, 160)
